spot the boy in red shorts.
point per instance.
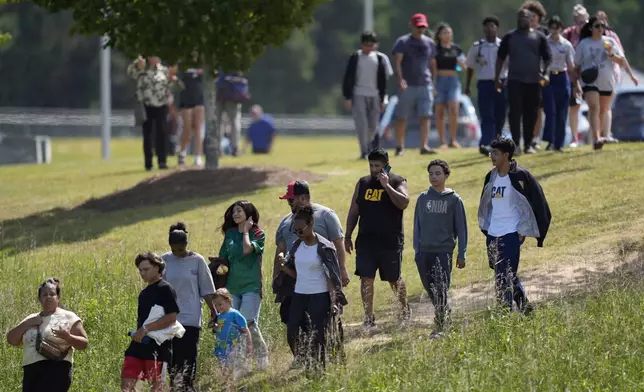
(144, 358)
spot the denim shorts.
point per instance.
(249, 305)
(448, 88)
(415, 101)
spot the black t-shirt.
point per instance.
(446, 57)
(381, 222)
(162, 294)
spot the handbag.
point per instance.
(49, 349)
(589, 75)
(219, 280)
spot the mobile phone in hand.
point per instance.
(387, 169)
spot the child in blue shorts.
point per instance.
(229, 348)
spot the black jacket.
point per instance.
(528, 186)
(349, 81)
(284, 285)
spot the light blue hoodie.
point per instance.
(438, 220)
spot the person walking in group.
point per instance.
(326, 224)
(364, 88)
(243, 247)
(190, 277)
(232, 92)
(439, 220)
(491, 102)
(313, 263)
(152, 90)
(572, 33)
(512, 207)
(617, 68)
(147, 360)
(413, 53)
(538, 14)
(232, 325)
(594, 58)
(48, 339)
(378, 203)
(529, 57)
(191, 103)
(556, 95)
(447, 83)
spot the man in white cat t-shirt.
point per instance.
(513, 207)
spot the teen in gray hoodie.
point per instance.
(439, 220)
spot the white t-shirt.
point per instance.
(61, 318)
(367, 73)
(505, 217)
(590, 53)
(311, 278)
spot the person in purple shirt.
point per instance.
(261, 132)
(413, 55)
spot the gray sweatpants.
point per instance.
(366, 116)
(233, 114)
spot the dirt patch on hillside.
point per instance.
(186, 184)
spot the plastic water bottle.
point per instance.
(146, 339)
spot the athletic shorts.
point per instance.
(387, 262)
(143, 369)
(593, 88)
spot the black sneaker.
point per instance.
(559, 150)
(399, 151)
(427, 151)
(598, 145)
(550, 147)
(484, 150)
(163, 166)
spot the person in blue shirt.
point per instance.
(261, 132)
(231, 326)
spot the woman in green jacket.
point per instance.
(243, 247)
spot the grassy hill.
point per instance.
(84, 220)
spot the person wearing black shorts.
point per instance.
(378, 203)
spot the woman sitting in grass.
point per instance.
(243, 247)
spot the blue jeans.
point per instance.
(448, 89)
(249, 305)
(503, 255)
(415, 100)
(556, 100)
(435, 270)
(492, 109)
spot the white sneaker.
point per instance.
(573, 145)
(198, 160)
(262, 363)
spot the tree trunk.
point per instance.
(212, 139)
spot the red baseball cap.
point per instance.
(295, 188)
(419, 20)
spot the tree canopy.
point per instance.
(227, 34)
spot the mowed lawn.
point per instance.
(596, 200)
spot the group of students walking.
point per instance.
(523, 74)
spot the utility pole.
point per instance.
(106, 99)
(368, 15)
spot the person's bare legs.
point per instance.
(366, 291)
(605, 114)
(198, 118)
(401, 125)
(592, 99)
(537, 126)
(186, 116)
(452, 110)
(573, 118)
(440, 124)
(400, 289)
(128, 385)
(424, 133)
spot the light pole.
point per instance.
(106, 99)
(368, 15)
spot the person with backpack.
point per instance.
(364, 88)
(232, 92)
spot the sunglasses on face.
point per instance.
(299, 230)
(599, 26)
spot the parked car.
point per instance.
(467, 135)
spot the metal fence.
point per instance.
(60, 122)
